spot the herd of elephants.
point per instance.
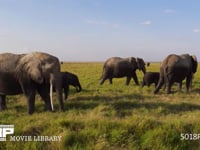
(40, 72)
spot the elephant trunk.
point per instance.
(144, 70)
(160, 81)
(78, 88)
(58, 87)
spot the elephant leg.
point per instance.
(31, 102)
(61, 104)
(28, 89)
(135, 78)
(179, 86)
(44, 93)
(188, 82)
(143, 84)
(58, 87)
(110, 80)
(168, 85)
(102, 80)
(2, 102)
(155, 84)
(46, 99)
(128, 79)
(66, 91)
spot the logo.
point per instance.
(5, 130)
(9, 129)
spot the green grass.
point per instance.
(109, 116)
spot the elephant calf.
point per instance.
(70, 79)
(149, 78)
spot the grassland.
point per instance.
(109, 116)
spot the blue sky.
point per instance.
(93, 30)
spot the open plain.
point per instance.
(109, 116)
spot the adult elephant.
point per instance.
(68, 79)
(175, 68)
(116, 67)
(26, 73)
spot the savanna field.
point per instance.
(109, 116)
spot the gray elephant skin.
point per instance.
(68, 79)
(150, 78)
(176, 68)
(116, 67)
(28, 73)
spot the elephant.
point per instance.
(149, 78)
(70, 79)
(116, 67)
(176, 68)
(28, 73)
(67, 80)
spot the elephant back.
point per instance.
(176, 60)
(8, 62)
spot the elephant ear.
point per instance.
(194, 63)
(49, 64)
(29, 67)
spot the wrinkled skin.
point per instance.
(176, 68)
(117, 67)
(70, 79)
(149, 78)
(28, 73)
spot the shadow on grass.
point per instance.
(129, 102)
(166, 107)
(196, 91)
(119, 103)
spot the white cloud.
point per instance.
(196, 30)
(169, 11)
(147, 22)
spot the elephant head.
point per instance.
(50, 67)
(29, 68)
(140, 64)
(194, 63)
(71, 79)
(78, 87)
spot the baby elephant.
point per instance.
(149, 78)
(70, 79)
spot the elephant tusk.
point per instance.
(51, 98)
